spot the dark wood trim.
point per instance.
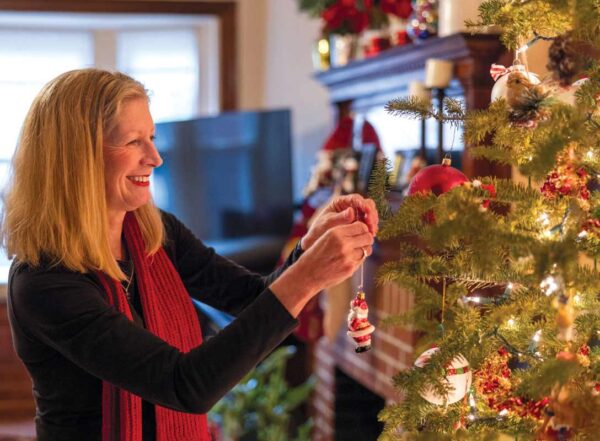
(224, 11)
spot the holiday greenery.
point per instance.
(261, 406)
(503, 274)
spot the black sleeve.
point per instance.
(68, 312)
(211, 278)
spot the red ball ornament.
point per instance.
(437, 178)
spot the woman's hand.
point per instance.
(333, 257)
(342, 210)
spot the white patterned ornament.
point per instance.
(500, 75)
(458, 375)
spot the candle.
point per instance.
(453, 14)
(438, 73)
(418, 90)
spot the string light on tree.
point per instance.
(552, 284)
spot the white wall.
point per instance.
(275, 70)
(289, 82)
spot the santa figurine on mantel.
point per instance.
(359, 327)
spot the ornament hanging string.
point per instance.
(362, 274)
(521, 57)
(443, 306)
(359, 327)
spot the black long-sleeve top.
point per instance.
(70, 339)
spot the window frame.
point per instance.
(225, 12)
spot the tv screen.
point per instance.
(227, 177)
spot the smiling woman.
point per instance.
(100, 289)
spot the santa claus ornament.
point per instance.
(359, 327)
(458, 375)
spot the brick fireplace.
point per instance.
(350, 385)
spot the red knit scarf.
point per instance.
(169, 314)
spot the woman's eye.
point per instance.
(134, 142)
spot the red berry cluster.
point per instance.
(493, 381)
(591, 225)
(566, 181)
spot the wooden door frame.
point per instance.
(224, 11)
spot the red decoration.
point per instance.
(401, 8)
(359, 327)
(567, 179)
(438, 179)
(341, 138)
(401, 38)
(345, 17)
(494, 382)
(487, 188)
(376, 46)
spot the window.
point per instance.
(29, 59)
(166, 62)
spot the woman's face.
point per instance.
(129, 157)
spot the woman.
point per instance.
(99, 292)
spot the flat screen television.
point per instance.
(229, 179)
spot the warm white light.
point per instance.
(503, 413)
(510, 323)
(537, 336)
(476, 299)
(510, 285)
(544, 219)
(590, 154)
(549, 285)
(323, 46)
(577, 299)
(583, 234)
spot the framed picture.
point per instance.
(398, 168)
(368, 153)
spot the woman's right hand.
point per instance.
(334, 257)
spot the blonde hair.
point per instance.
(55, 203)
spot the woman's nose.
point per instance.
(153, 158)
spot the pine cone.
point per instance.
(564, 60)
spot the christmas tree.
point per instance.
(503, 274)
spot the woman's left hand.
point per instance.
(340, 211)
